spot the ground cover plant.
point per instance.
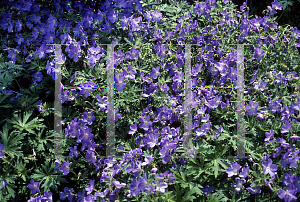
(150, 38)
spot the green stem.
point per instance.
(281, 15)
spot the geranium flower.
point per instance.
(34, 186)
(145, 122)
(133, 129)
(67, 193)
(129, 72)
(148, 160)
(269, 135)
(133, 54)
(156, 16)
(90, 188)
(286, 127)
(201, 8)
(252, 108)
(119, 82)
(262, 86)
(119, 184)
(287, 195)
(254, 189)
(239, 184)
(102, 102)
(207, 190)
(152, 140)
(235, 167)
(65, 168)
(133, 187)
(142, 182)
(160, 186)
(244, 173)
(73, 152)
(269, 168)
(88, 117)
(259, 54)
(1, 151)
(294, 160)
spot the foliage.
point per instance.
(149, 102)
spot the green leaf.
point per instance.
(11, 141)
(23, 125)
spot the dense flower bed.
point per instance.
(149, 40)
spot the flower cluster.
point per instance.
(143, 167)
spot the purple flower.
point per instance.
(287, 180)
(90, 156)
(208, 190)
(254, 189)
(262, 86)
(244, 172)
(286, 127)
(239, 184)
(156, 16)
(132, 54)
(85, 135)
(219, 131)
(283, 142)
(296, 181)
(269, 168)
(252, 108)
(259, 54)
(65, 96)
(276, 5)
(18, 25)
(129, 72)
(275, 106)
(152, 140)
(294, 138)
(1, 152)
(269, 135)
(88, 117)
(148, 160)
(118, 115)
(73, 152)
(214, 103)
(19, 39)
(57, 163)
(161, 186)
(133, 129)
(15, 98)
(201, 8)
(38, 76)
(67, 193)
(155, 73)
(113, 17)
(235, 167)
(4, 183)
(34, 186)
(118, 184)
(102, 102)
(294, 160)
(288, 195)
(119, 82)
(145, 122)
(133, 187)
(178, 77)
(119, 56)
(87, 88)
(65, 168)
(222, 67)
(142, 182)
(135, 24)
(90, 188)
